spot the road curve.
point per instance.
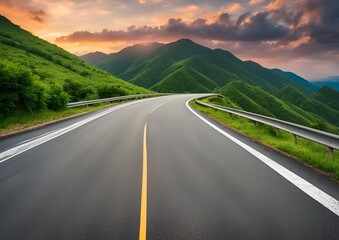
(87, 182)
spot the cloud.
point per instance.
(268, 29)
(277, 4)
(38, 16)
(280, 23)
(28, 11)
(232, 8)
(254, 2)
(149, 1)
(259, 27)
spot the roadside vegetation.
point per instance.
(25, 101)
(313, 154)
(21, 120)
(38, 79)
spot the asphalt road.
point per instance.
(86, 182)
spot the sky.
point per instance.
(301, 36)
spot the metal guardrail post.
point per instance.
(295, 139)
(330, 152)
(277, 132)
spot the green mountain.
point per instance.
(168, 65)
(95, 57)
(49, 68)
(332, 82)
(297, 79)
(194, 81)
(116, 63)
(289, 104)
(328, 96)
(311, 104)
(254, 99)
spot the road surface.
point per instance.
(153, 169)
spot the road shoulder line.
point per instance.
(27, 145)
(317, 194)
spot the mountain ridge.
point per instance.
(296, 78)
(219, 66)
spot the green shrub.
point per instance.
(72, 88)
(85, 73)
(5, 35)
(39, 52)
(78, 91)
(320, 125)
(57, 99)
(9, 42)
(34, 97)
(87, 93)
(69, 67)
(15, 80)
(58, 61)
(107, 91)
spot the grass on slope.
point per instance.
(117, 63)
(184, 79)
(52, 64)
(307, 151)
(206, 66)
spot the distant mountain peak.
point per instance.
(147, 44)
(184, 40)
(186, 43)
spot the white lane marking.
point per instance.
(320, 196)
(154, 109)
(26, 145)
(33, 138)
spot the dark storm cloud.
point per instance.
(243, 17)
(262, 27)
(323, 31)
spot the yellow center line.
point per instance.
(143, 209)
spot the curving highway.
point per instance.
(154, 169)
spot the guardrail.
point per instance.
(112, 99)
(328, 139)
